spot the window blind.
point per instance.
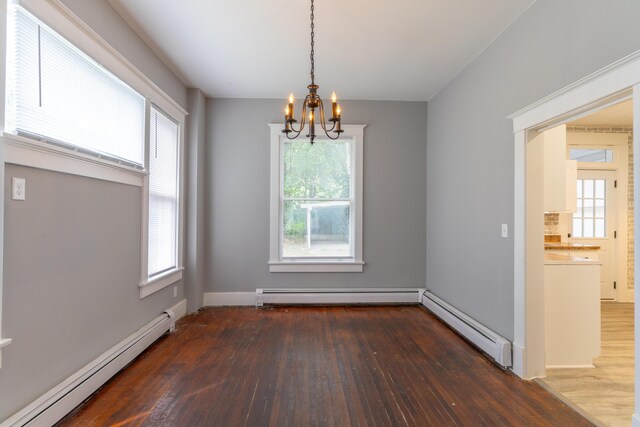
(59, 94)
(163, 193)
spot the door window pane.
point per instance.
(600, 188)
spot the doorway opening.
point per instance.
(608, 86)
(589, 331)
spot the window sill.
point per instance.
(24, 151)
(158, 283)
(316, 266)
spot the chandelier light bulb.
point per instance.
(333, 97)
(291, 99)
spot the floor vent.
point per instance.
(488, 341)
(339, 296)
(59, 401)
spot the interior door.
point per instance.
(594, 222)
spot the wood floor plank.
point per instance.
(317, 366)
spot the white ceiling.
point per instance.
(619, 115)
(365, 49)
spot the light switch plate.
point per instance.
(18, 188)
(505, 231)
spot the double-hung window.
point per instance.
(163, 194)
(316, 203)
(71, 114)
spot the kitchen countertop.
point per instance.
(559, 259)
(570, 247)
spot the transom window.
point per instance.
(589, 220)
(591, 155)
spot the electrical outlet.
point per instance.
(175, 291)
(505, 231)
(18, 188)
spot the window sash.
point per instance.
(350, 143)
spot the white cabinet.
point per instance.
(593, 254)
(572, 312)
(560, 174)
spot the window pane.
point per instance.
(579, 189)
(600, 228)
(163, 193)
(321, 170)
(600, 208)
(588, 188)
(600, 188)
(588, 227)
(577, 228)
(591, 155)
(588, 208)
(57, 93)
(316, 229)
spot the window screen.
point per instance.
(59, 94)
(163, 193)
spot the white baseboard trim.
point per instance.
(63, 398)
(484, 338)
(338, 296)
(518, 360)
(180, 309)
(217, 299)
(569, 366)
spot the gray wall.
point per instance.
(470, 143)
(72, 255)
(238, 189)
(195, 193)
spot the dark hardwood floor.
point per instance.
(317, 366)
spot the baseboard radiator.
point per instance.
(59, 401)
(484, 338)
(338, 296)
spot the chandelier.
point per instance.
(312, 102)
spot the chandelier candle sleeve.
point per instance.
(334, 104)
(291, 107)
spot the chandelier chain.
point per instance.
(313, 77)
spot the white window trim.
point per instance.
(306, 265)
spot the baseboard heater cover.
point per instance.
(59, 401)
(338, 296)
(488, 341)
